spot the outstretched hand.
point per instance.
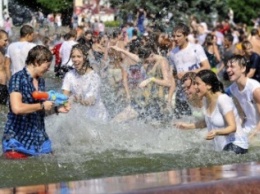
(144, 83)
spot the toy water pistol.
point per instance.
(58, 98)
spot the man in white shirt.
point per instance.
(66, 47)
(185, 57)
(17, 51)
(247, 93)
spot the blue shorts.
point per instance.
(14, 145)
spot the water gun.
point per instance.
(58, 98)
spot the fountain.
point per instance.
(134, 157)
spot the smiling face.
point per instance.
(77, 58)
(189, 89)
(201, 87)
(234, 70)
(42, 68)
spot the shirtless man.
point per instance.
(3, 77)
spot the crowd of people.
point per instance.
(210, 74)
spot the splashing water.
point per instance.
(85, 149)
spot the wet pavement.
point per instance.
(226, 179)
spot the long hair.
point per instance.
(211, 79)
(84, 49)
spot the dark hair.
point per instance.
(26, 30)
(88, 32)
(208, 40)
(144, 52)
(211, 79)
(254, 32)
(245, 44)
(241, 60)
(183, 28)
(39, 54)
(84, 50)
(82, 40)
(229, 37)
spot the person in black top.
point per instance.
(253, 60)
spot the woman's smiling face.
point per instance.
(77, 59)
(201, 87)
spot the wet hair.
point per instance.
(134, 46)
(144, 52)
(26, 30)
(84, 49)
(241, 61)
(183, 28)
(211, 79)
(254, 32)
(39, 54)
(188, 76)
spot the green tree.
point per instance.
(48, 5)
(56, 5)
(245, 11)
(181, 10)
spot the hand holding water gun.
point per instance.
(58, 98)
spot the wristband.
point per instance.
(152, 79)
(56, 110)
(42, 105)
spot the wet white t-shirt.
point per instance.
(65, 50)
(18, 52)
(246, 101)
(85, 86)
(216, 120)
(187, 59)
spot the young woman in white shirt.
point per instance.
(220, 115)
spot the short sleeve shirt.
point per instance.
(28, 129)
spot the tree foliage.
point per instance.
(181, 10)
(204, 10)
(245, 11)
(48, 5)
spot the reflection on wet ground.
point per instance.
(235, 178)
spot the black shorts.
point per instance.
(234, 148)
(4, 95)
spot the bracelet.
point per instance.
(42, 105)
(152, 79)
(56, 110)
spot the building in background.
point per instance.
(3, 11)
(94, 9)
